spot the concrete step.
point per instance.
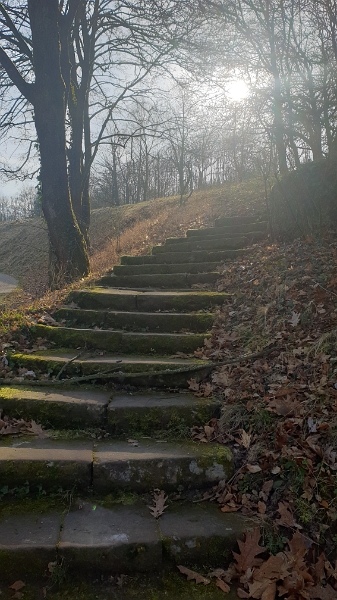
(225, 230)
(231, 235)
(218, 239)
(144, 414)
(106, 466)
(136, 370)
(92, 541)
(55, 407)
(118, 413)
(136, 321)
(135, 300)
(176, 258)
(235, 221)
(125, 342)
(208, 244)
(158, 281)
(151, 269)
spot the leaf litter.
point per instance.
(279, 415)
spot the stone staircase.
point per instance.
(120, 420)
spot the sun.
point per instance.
(237, 90)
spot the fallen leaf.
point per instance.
(249, 549)
(193, 385)
(286, 519)
(224, 587)
(159, 501)
(322, 593)
(253, 468)
(193, 575)
(17, 585)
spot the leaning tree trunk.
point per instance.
(67, 242)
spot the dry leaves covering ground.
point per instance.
(279, 416)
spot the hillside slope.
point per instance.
(130, 229)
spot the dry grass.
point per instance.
(130, 229)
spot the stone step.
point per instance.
(158, 281)
(176, 258)
(235, 221)
(91, 540)
(142, 371)
(231, 235)
(208, 244)
(225, 230)
(106, 466)
(217, 239)
(148, 269)
(143, 414)
(55, 407)
(125, 342)
(136, 321)
(135, 300)
(119, 413)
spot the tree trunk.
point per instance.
(67, 242)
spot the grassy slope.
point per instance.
(24, 247)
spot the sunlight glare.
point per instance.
(237, 90)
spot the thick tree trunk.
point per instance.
(67, 242)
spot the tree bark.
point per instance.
(67, 242)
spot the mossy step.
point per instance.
(176, 258)
(105, 467)
(142, 371)
(235, 221)
(125, 342)
(166, 281)
(194, 245)
(91, 541)
(136, 321)
(144, 414)
(225, 230)
(135, 300)
(55, 407)
(204, 267)
(118, 413)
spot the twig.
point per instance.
(119, 375)
(67, 364)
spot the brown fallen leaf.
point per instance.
(193, 385)
(159, 501)
(286, 519)
(253, 468)
(224, 587)
(193, 575)
(242, 594)
(249, 549)
(322, 593)
(17, 585)
(37, 430)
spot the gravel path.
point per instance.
(7, 284)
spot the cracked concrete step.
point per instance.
(56, 407)
(135, 300)
(143, 371)
(93, 540)
(151, 269)
(159, 281)
(125, 342)
(105, 467)
(234, 221)
(224, 230)
(136, 321)
(175, 258)
(119, 413)
(208, 244)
